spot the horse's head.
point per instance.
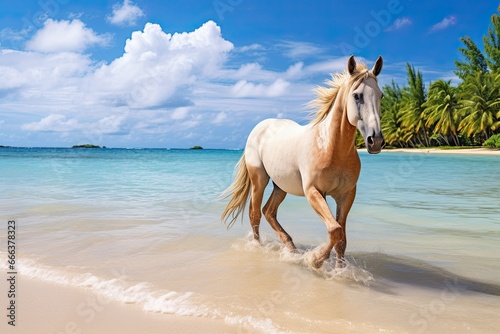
(363, 104)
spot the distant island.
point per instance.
(196, 147)
(1, 146)
(87, 146)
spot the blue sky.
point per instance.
(179, 73)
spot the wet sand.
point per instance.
(52, 308)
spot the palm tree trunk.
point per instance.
(445, 138)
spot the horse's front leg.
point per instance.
(344, 205)
(335, 230)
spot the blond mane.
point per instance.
(325, 96)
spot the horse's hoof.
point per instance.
(340, 264)
(291, 247)
(314, 261)
(317, 264)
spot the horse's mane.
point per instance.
(325, 96)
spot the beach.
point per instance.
(127, 241)
(468, 151)
(51, 308)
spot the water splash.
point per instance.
(302, 256)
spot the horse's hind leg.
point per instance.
(271, 211)
(259, 180)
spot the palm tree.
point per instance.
(391, 106)
(480, 105)
(441, 110)
(474, 60)
(413, 98)
(491, 43)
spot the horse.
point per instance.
(315, 160)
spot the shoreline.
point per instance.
(433, 150)
(45, 307)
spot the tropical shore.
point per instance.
(44, 307)
(433, 150)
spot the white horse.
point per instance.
(314, 160)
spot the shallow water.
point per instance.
(142, 226)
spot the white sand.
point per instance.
(472, 151)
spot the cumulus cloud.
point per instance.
(65, 36)
(125, 14)
(445, 23)
(156, 65)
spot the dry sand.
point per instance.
(51, 308)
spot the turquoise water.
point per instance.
(142, 226)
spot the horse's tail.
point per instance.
(239, 191)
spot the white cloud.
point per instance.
(244, 88)
(111, 124)
(65, 36)
(399, 23)
(295, 70)
(221, 117)
(125, 14)
(53, 123)
(445, 23)
(297, 50)
(250, 48)
(41, 73)
(328, 66)
(163, 86)
(72, 15)
(14, 35)
(180, 113)
(158, 69)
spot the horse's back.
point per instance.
(274, 144)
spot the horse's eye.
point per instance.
(356, 96)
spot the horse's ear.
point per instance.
(351, 65)
(377, 68)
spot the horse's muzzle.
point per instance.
(374, 144)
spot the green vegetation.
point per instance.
(443, 114)
(196, 147)
(87, 146)
(493, 141)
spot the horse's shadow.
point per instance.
(389, 270)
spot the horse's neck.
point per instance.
(337, 130)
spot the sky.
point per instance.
(179, 73)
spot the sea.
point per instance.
(142, 226)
